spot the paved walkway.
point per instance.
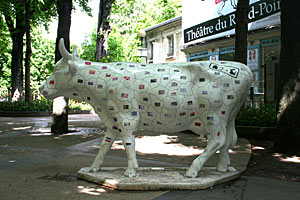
(36, 165)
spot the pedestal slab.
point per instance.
(158, 178)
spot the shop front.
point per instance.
(217, 43)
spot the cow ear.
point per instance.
(75, 52)
(72, 67)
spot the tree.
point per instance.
(241, 31)
(288, 83)
(103, 28)
(13, 11)
(28, 51)
(60, 104)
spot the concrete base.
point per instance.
(156, 178)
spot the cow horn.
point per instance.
(63, 51)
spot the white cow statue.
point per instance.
(203, 97)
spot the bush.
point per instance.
(40, 105)
(21, 105)
(265, 116)
(79, 105)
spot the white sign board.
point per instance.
(210, 19)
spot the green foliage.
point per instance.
(5, 73)
(42, 12)
(84, 6)
(42, 63)
(40, 104)
(88, 47)
(169, 9)
(128, 17)
(79, 105)
(115, 48)
(265, 116)
(42, 60)
(4, 35)
(21, 105)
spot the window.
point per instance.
(227, 56)
(227, 53)
(199, 56)
(151, 50)
(170, 39)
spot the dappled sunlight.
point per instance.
(111, 183)
(257, 148)
(162, 144)
(292, 159)
(230, 151)
(41, 124)
(21, 128)
(90, 190)
(40, 134)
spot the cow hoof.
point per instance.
(191, 173)
(130, 173)
(94, 169)
(221, 168)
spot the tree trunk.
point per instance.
(241, 31)
(60, 104)
(17, 31)
(17, 63)
(64, 24)
(288, 88)
(28, 53)
(103, 28)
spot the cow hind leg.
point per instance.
(106, 144)
(231, 138)
(216, 141)
(129, 143)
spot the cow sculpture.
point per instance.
(203, 97)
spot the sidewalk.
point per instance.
(36, 165)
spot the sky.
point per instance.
(81, 24)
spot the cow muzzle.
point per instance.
(43, 91)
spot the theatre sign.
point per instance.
(210, 19)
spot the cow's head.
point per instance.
(58, 83)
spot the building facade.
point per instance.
(164, 41)
(211, 36)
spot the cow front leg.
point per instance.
(129, 144)
(216, 141)
(106, 144)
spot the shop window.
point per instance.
(271, 58)
(199, 56)
(227, 53)
(199, 59)
(227, 56)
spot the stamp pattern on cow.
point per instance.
(166, 97)
(204, 97)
